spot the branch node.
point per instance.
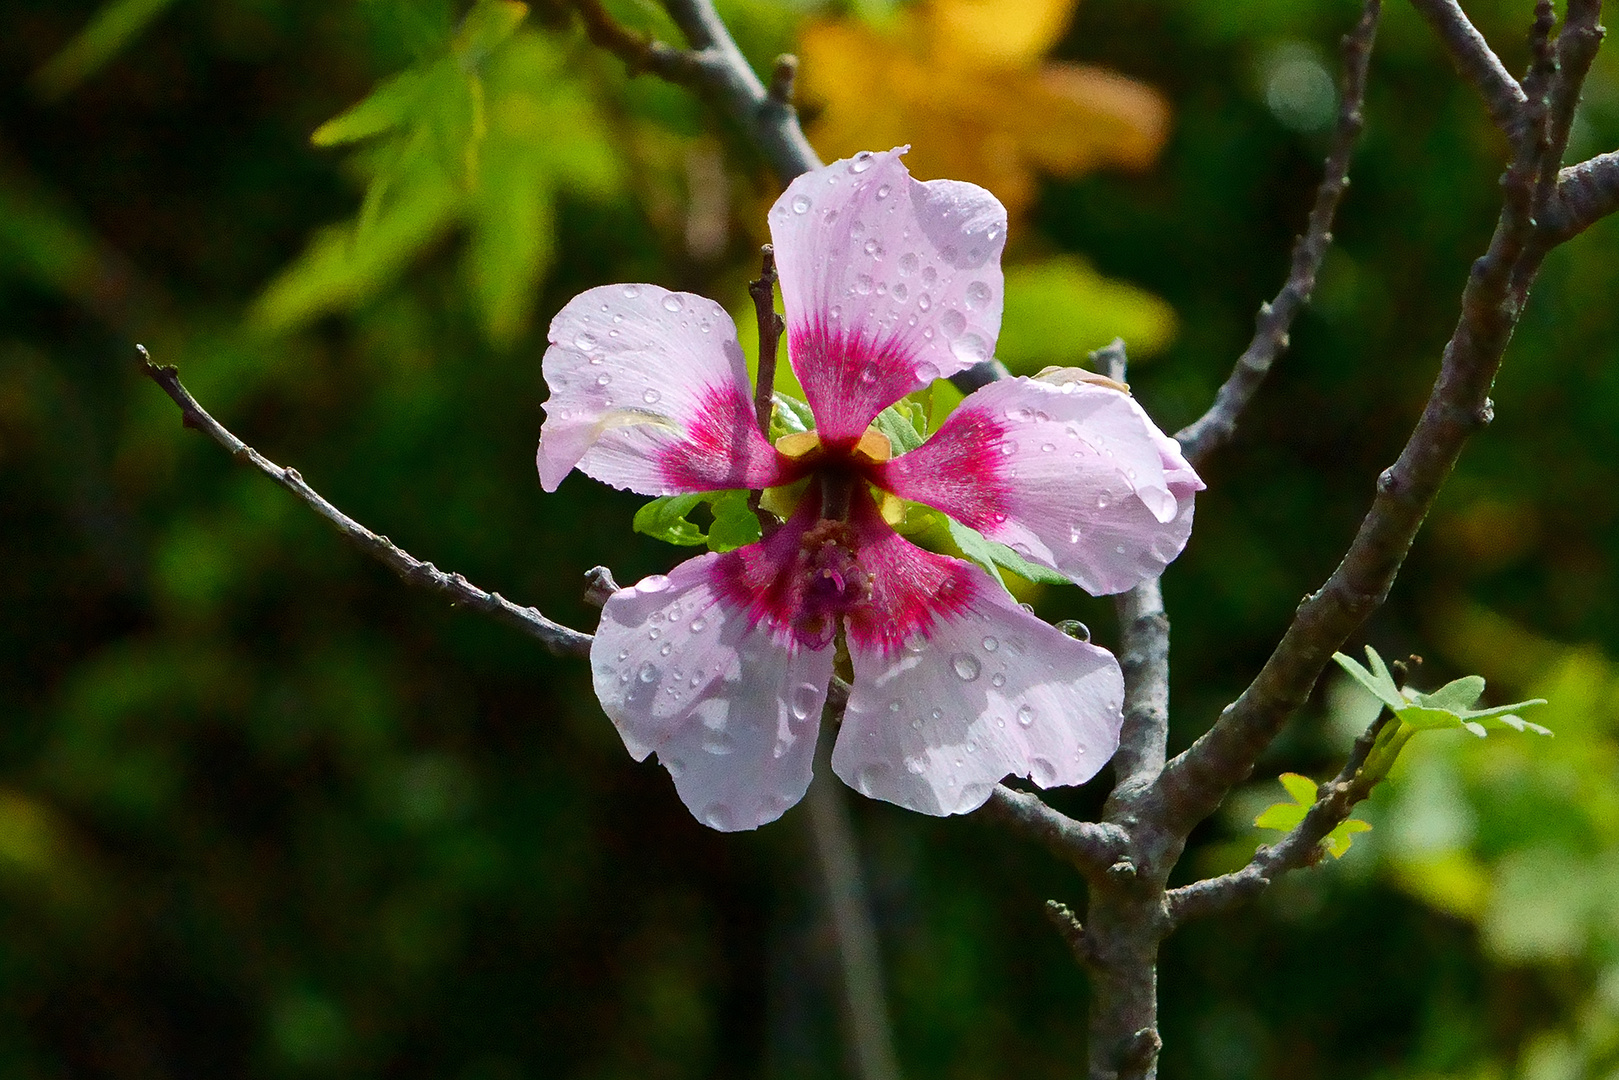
(782, 77)
(1122, 872)
(1062, 917)
(599, 585)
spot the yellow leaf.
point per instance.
(993, 32)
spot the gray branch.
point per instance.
(1477, 63)
(1585, 194)
(1299, 848)
(1215, 427)
(1092, 847)
(559, 639)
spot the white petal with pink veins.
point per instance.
(649, 391)
(888, 283)
(990, 692)
(731, 710)
(1069, 474)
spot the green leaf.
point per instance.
(1286, 816)
(735, 524)
(386, 107)
(485, 28)
(113, 27)
(665, 519)
(904, 424)
(974, 548)
(1007, 559)
(789, 416)
(1450, 706)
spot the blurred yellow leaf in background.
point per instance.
(962, 81)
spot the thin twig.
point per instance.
(870, 1033)
(638, 51)
(1092, 847)
(559, 639)
(1477, 63)
(1300, 847)
(771, 325)
(1215, 427)
(1577, 47)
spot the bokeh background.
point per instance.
(265, 812)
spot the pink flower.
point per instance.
(722, 667)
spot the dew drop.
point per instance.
(667, 648)
(1047, 447)
(969, 348)
(806, 699)
(953, 323)
(894, 706)
(1025, 716)
(900, 291)
(867, 779)
(873, 248)
(801, 204)
(862, 284)
(883, 190)
(979, 295)
(1073, 534)
(1102, 501)
(916, 766)
(834, 313)
(1008, 447)
(997, 680)
(924, 301)
(937, 714)
(991, 644)
(908, 263)
(1042, 772)
(1119, 550)
(779, 749)
(916, 723)
(632, 291)
(652, 583)
(651, 397)
(926, 373)
(916, 644)
(868, 373)
(585, 342)
(861, 162)
(648, 672)
(719, 816)
(603, 380)
(654, 634)
(966, 667)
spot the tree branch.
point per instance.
(771, 325)
(1478, 64)
(559, 639)
(1585, 194)
(639, 52)
(1300, 847)
(1092, 847)
(1215, 427)
(1577, 47)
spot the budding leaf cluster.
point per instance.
(1450, 706)
(1286, 816)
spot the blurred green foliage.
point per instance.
(265, 812)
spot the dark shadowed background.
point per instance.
(265, 812)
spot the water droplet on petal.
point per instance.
(873, 248)
(991, 644)
(648, 672)
(926, 373)
(1025, 716)
(979, 295)
(805, 701)
(699, 624)
(667, 648)
(862, 284)
(632, 291)
(894, 706)
(916, 723)
(869, 778)
(585, 342)
(901, 291)
(651, 397)
(953, 323)
(1073, 534)
(924, 301)
(1042, 772)
(882, 191)
(801, 204)
(861, 162)
(929, 275)
(718, 816)
(652, 583)
(1047, 448)
(916, 766)
(937, 714)
(966, 667)
(868, 373)
(908, 263)
(1119, 550)
(997, 680)
(603, 380)
(673, 303)
(1102, 501)
(654, 634)
(970, 348)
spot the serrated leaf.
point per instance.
(1282, 816)
(486, 26)
(1338, 841)
(1377, 679)
(385, 108)
(735, 524)
(1457, 696)
(665, 519)
(1302, 788)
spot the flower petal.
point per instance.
(731, 705)
(649, 391)
(989, 691)
(1073, 475)
(888, 282)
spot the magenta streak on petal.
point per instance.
(959, 470)
(848, 379)
(768, 581)
(723, 448)
(910, 589)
